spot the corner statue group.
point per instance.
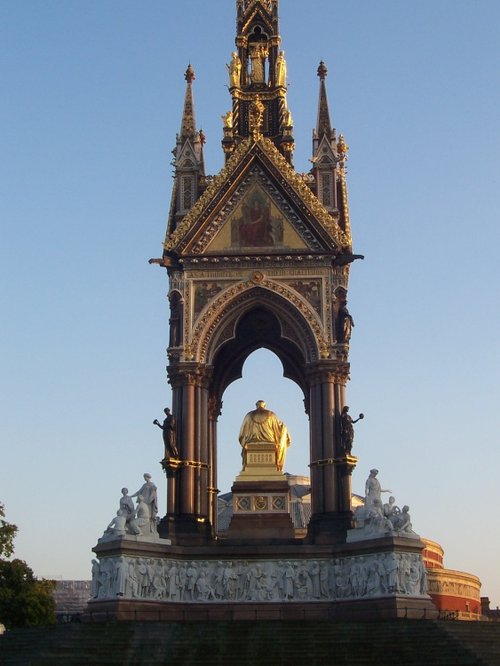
(262, 425)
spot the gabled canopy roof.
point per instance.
(258, 172)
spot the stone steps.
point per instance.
(481, 637)
(291, 643)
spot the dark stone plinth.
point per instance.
(185, 530)
(259, 527)
(328, 528)
(164, 611)
(257, 524)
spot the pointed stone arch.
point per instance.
(260, 318)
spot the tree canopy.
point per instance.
(7, 533)
(25, 601)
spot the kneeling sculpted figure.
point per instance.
(262, 425)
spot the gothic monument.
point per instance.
(258, 256)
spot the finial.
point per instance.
(256, 117)
(228, 119)
(342, 148)
(322, 71)
(189, 75)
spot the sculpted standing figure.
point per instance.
(373, 490)
(147, 493)
(234, 69)
(281, 69)
(258, 54)
(347, 429)
(126, 504)
(175, 320)
(345, 324)
(262, 425)
(168, 428)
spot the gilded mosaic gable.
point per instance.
(256, 225)
(226, 217)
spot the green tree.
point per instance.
(25, 601)
(7, 534)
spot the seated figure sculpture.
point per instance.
(117, 527)
(141, 524)
(262, 425)
(375, 519)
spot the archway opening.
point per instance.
(262, 379)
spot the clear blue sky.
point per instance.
(92, 98)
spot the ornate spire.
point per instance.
(188, 126)
(188, 160)
(325, 156)
(258, 74)
(323, 124)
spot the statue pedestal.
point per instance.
(260, 463)
(261, 498)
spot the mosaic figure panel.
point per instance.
(310, 290)
(205, 292)
(256, 223)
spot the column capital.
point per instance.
(328, 372)
(214, 408)
(192, 374)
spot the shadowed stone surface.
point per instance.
(248, 643)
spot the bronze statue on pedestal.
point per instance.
(168, 428)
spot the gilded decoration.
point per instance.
(312, 287)
(260, 503)
(256, 224)
(309, 203)
(222, 233)
(209, 321)
(203, 203)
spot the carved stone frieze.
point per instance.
(267, 580)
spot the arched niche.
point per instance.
(259, 318)
(262, 378)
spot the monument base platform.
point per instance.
(157, 611)
(274, 579)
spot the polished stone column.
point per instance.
(214, 410)
(187, 448)
(331, 469)
(189, 477)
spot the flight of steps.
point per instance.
(291, 643)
